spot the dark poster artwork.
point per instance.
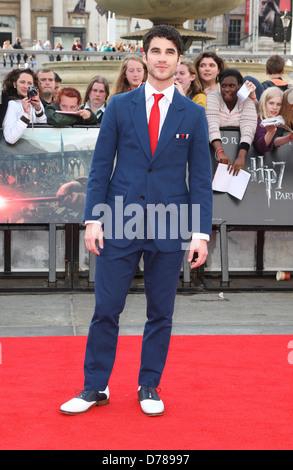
(268, 199)
(268, 9)
(102, 11)
(43, 176)
(80, 8)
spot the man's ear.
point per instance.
(144, 57)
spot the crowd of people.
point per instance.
(30, 60)
(35, 97)
(103, 46)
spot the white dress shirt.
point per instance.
(164, 102)
(102, 108)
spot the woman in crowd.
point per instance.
(270, 104)
(208, 66)
(22, 109)
(65, 111)
(188, 84)
(132, 74)
(96, 96)
(226, 109)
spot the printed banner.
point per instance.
(247, 15)
(285, 5)
(43, 180)
(43, 176)
(268, 199)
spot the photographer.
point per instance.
(24, 105)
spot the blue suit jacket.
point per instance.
(128, 179)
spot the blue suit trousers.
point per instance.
(115, 270)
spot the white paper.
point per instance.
(66, 112)
(226, 182)
(275, 121)
(244, 92)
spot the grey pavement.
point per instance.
(66, 314)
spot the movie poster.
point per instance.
(268, 199)
(43, 176)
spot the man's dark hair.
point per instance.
(163, 31)
(275, 64)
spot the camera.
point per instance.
(32, 91)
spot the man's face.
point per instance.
(46, 83)
(161, 60)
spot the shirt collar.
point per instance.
(150, 90)
(102, 108)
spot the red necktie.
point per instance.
(154, 122)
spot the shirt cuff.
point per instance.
(92, 222)
(201, 236)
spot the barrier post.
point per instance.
(224, 254)
(52, 253)
(92, 267)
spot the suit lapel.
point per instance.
(139, 120)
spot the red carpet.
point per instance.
(220, 392)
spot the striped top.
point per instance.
(243, 115)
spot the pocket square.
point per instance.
(181, 136)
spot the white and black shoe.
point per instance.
(151, 404)
(85, 401)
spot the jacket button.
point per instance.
(141, 197)
(150, 170)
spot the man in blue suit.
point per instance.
(139, 202)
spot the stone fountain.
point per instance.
(172, 12)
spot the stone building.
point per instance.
(55, 20)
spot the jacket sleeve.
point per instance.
(248, 122)
(13, 125)
(102, 162)
(259, 139)
(213, 115)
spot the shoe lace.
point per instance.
(153, 392)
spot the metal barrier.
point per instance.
(35, 59)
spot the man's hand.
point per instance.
(93, 233)
(72, 195)
(201, 248)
